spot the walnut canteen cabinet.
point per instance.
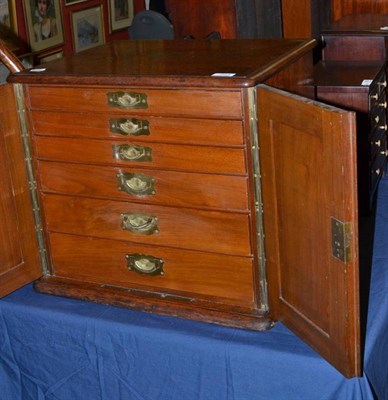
(193, 178)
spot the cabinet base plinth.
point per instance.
(158, 303)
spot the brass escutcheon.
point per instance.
(139, 223)
(129, 127)
(129, 100)
(145, 264)
(136, 184)
(128, 152)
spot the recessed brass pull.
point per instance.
(145, 264)
(136, 184)
(129, 127)
(139, 224)
(129, 100)
(129, 152)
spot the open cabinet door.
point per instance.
(19, 259)
(309, 183)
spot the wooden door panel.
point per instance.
(19, 262)
(308, 161)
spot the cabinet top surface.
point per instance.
(359, 24)
(346, 73)
(177, 63)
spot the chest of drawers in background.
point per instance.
(361, 87)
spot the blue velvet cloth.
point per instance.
(64, 349)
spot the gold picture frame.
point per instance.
(8, 18)
(88, 28)
(120, 14)
(44, 25)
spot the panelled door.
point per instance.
(309, 183)
(19, 260)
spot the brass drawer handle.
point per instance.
(378, 143)
(384, 105)
(382, 83)
(145, 264)
(374, 96)
(129, 152)
(377, 171)
(383, 127)
(129, 100)
(129, 127)
(136, 184)
(139, 224)
(377, 119)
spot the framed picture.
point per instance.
(70, 2)
(44, 23)
(88, 28)
(120, 14)
(44, 58)
(8, 20)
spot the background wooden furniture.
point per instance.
(360, 86)
(232, 18)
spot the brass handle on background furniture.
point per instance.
(145, 264)
(128, 100)
(139, 224)
(129, 127)
(384, 105)
(129, 152)
(136, 184)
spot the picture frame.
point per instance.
(88, 28)
(48, 57)
(71, 2)
(120, 14)
(43, 23)
(8, 18)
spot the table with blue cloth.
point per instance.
(65, 349)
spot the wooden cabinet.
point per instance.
(169, 178)
(359, 37)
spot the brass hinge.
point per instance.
(341, 233)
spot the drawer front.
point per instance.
(225, 104)
(212, 231)
(149, 129)
(378, 120)
(146, 186)
(196, 273)
(126, 154)
(378, 142)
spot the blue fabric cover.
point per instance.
(64, 349)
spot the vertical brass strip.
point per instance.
(26, 141)
(254, 133)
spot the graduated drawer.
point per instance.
(149, 129)
(196, 103)
(377, 100)
(196, 273)
(213, 231)
(378, 142)
(378, 166)
(153, 155)
(378, 120)
(149, 186)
